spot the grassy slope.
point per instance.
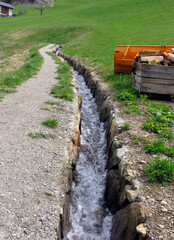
(106, 24)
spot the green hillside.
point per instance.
(90, 29)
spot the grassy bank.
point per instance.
(9, 80)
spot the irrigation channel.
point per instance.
(89, 218)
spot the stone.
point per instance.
(135, 184)
(164, 202)
(164, 209)
(106, 109)
(142, 161)
(141, 230)
(126, 220)
(121, 152)
(141, 198)
(132, 195)
(123, 196)
(111, 191)
(113, 160)
(129, 174)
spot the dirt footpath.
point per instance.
(32, 170)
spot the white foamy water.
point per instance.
(89, 219)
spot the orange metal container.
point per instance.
(125, 54)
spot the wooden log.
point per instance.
(152, 58)
(150, 53)
(170, 56)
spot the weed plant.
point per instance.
(37, 135)
(126, 127)
(160, 170)
(138, 139)
(54, 103)
(50, 122)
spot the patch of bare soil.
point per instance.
(158, 199)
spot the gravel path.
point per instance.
(31, 170)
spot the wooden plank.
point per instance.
(153, 85)
(158, 75)
(136, 82)
(160, 89)
(153, 81)
(146, 66)
(158, 81)
(147, 70)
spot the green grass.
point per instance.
(158, 146)
(162, 117)
(160, 122)
(132, 110)
(160, 170)
(9, 80)
(54, 103)
(50, 122)
(63, 89)
(138, 140)
(126, 127)
(37, 135)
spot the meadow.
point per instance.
(90, 29)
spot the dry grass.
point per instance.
(13, 63)
(21, 34)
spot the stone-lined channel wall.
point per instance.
(122, 193)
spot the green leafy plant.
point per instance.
(161, 117)
(166, 134)
(160, 170)
(157, 123)
(50, 122)
(158, 146)
(125, 96)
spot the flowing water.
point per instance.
(88, 216)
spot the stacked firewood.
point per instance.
(156, 57)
